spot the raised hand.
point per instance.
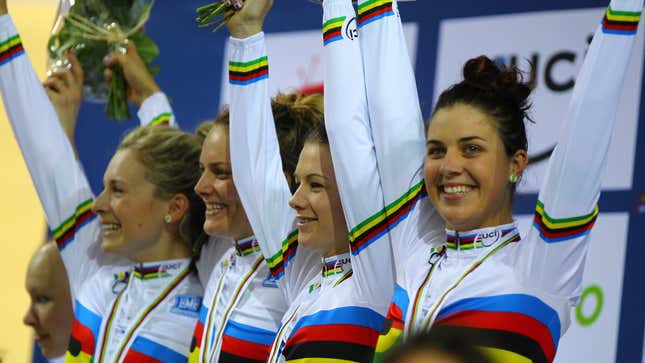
(249, 19)
(141, 84)
(65, 90)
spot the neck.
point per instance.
(166, 248)
(336, 251)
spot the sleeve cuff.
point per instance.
(155, 110)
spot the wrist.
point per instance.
(246, 31)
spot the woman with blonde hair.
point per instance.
(131, 270)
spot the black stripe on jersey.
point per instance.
(225, 357)
(505, 340)
(330, 349)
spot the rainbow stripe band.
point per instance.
(377, 225)
(245, 73)
(147, 273)
(280, 260)
(247, 248)
(468, 242)
(245, 343)
(620, 22)
(85, 331)
(64, 234)
(346, 334)
(196, 342)
(10, 49)
(394, 323)
(147, 351)
(163, 119)
(554, 230)
(332, 30)
(517, 324)
(373, 10)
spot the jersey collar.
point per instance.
(160, 269)
(247, 246)
(470, 242)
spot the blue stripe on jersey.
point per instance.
(401, 299)
(203, 313)
(249, 333)
(89, 319)
(514, 303)
(157, 351)
(353, 315)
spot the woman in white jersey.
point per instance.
(514, 295)
(148, 214)
(337, 304)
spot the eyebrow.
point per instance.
(461, 140)
(295, 176)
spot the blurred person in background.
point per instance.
(50, 311)
(440, 345)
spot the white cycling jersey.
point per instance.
(513, 293)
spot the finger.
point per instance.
(55, 83)
(67, 78)
(77, 69)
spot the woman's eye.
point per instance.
(472, 149)
(316, 186)
(436, 151)
(41, 299)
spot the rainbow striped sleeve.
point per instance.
(346, 334)
(198, 334)
(11, 49)
(620, 22)
(553, 230)
(161, 120)
(394, 323)
(245, 343)
(380, 223)
(246, 73)
(373, 10)
(280, 260)
(64, 234)
(145, 350)
(509, 327)
(85, 331)
(332, 30)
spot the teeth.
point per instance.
(461, 189)
(214, 206)
(107, 228)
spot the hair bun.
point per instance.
(485, 74)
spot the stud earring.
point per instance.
(513, 178)
(167, 218)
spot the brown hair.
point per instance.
(501, 93)
(296, 115)
(171, 161)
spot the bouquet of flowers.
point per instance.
(214, 15)
(94, 29)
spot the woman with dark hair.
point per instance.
(514, 294)
(131, 270)
(337, 304)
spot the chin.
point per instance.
(216, 228)
(50, 352)
(307, 240)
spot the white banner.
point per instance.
(556, 42)
(295, 60)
